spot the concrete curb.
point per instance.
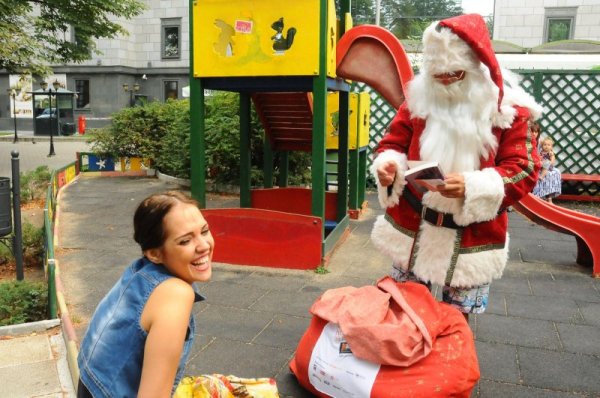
(28, 138)
(30, 327)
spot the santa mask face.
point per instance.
(446, 58)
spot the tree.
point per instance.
(363, 12)
(37, 33)
(409, 18)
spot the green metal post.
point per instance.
(197, 143)
(353, 177)
(245, 149)
(52, 300)
(342, 172)
(538, 80)
(267, 163)
(319, 121)
(362, 175)
(284, 169)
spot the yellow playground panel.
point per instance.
(358, 120)
(234, 38)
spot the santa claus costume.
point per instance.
(460, 112)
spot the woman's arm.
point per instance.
(166, 317)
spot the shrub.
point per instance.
(34, 184)
(33, 246)
(160, 131)
(22, 301)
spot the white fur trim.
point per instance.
(484, 191)
(434, 254)
(514, 95)
(505, 117)
(399, 183)
(474, 269)
(391, 242)
(436, 246)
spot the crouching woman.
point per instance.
(142, 331)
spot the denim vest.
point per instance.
(112, 351)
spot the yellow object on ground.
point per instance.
(220, 386)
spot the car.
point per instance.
(46, 114)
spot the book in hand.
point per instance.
(424, 176)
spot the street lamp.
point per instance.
(13, 92)
(56, 85)
(134, 89)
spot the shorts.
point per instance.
(470, 300)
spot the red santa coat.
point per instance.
(477, 252)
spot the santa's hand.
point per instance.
(386, 173)
(454, 186)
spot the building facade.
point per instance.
(534, 22)
(149, 64)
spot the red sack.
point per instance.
(360, 345)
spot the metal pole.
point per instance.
(14, 97)
(377, 12)
(18, 234)
(52, 153)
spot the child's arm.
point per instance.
(552, 158)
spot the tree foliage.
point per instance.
(38, 33)
(408, 19)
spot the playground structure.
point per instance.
(281, 57)
(298, 227)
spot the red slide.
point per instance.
(584, 227)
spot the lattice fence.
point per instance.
(571, 101)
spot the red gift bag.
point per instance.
(390, 340)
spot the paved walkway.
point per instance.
(539, 338)
(32, 155)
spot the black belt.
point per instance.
(431, 216)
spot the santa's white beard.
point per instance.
(458, 127)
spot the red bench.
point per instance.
(587, 185)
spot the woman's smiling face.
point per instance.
(188, 246)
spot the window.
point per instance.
(171, 38)
(560, 24)
(171, 89)
(82, 88)
(78, 40)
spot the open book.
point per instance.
(424, 176)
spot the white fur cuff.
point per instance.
(484, 191)
(393, 199)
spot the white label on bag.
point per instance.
(334, 371)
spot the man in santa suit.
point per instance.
(461, 113)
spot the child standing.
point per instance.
(142, 331)
(549, 183)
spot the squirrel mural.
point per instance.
(224, 44)
(281, 43)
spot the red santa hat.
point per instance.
(472, 29)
